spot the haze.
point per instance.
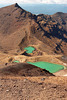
(34, 1)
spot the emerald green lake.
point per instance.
(16, 61)
(52, 68)
(29, 49)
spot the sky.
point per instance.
(33, 1)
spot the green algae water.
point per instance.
(52, 68)
(29, 49)
(16, 61)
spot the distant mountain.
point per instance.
(20, 28)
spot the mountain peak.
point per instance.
(16, 5)
(59, 13)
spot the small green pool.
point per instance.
(52, 68)
(29, 49)
(16, 61)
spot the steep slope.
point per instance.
(19, 28)
(55, 31)
(15, 25)
(11, 18)
(24, 69)
(61, 18)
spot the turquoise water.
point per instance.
(16, 61)
(29, 49)
(52, 68)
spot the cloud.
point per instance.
(61, 1)
(33, 1)
(20, 1)
(48, 1)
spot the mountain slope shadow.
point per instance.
(24, 69)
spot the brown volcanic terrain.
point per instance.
(19, 28)
(13, 23)
(48, 35)
(55, 31)
(23, 69)
(34, 88)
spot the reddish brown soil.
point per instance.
(23, 69)
(27, 82)
(19, 28)
(48, 34)
(52, 88)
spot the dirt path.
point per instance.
(45, 57)
(4, 58)
(32, 88)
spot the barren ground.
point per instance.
(48, 35)
(31, 88)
